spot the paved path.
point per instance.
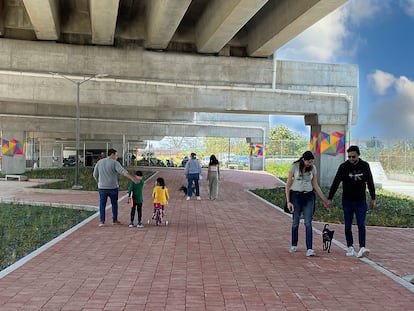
(228, 254)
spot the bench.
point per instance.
(18, 177)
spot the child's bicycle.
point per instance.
(158, 216)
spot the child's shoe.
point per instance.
(131, 224)
(140, 225)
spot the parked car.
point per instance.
(150, 162)
(227, 159)
(244, 160)
(205, 161)
(69, 161)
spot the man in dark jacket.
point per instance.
(355, 175)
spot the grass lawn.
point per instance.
(24, 228)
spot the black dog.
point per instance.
(184, 189)
(327, 236)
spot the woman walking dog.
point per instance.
(301, 185)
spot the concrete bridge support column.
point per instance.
(257, 162)
(13, 152)
(119, 146)
(50, 154)
(327, 161)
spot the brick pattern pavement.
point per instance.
(229, 254)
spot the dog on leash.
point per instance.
(184, 189)
(327, 237)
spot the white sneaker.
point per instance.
(198, 199)
(188, 198)
(363, 252)
(310, 252)
(350, 252)
(293, 249)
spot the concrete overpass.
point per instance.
(171, 66)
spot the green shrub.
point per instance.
(24, 228)
(393, 210)
(67, 176)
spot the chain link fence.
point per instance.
(395, 155)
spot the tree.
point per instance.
(284, 142)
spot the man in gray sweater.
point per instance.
(106, 175)
(192, 171)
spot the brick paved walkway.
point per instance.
(228, 254)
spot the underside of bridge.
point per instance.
(172, 68)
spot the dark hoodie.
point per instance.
(354, 178)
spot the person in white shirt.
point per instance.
(300, 190)
(213, 177)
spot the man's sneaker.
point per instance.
(101, 224)
(131, 224)
(293, 249)
(188, 198)
(350, 252)
(198, 199)
(363, 252)
(116, 222)
(310, 252)
(140, 225)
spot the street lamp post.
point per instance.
(77, 185)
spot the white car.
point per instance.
(205, 161)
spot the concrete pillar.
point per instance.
(13, 152)
(328, 161)
(50, 154)
(257, 161)
(118, 145)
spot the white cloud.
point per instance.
(381, 81)
(393, 115)
(405, 88)
(359, 11)
(325, 40)
(407, 6)
(321, 42)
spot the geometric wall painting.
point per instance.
(332, 144)
(257, 150)
(12, 147)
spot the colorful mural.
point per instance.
(257, 150)
(12, 147)
(325, 143)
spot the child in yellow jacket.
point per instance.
(160, 194)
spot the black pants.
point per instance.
(138, 207)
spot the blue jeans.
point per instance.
(302, 202)
(360, 209)
(190, 179)
(103, 197)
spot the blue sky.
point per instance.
(377, 36)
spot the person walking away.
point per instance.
(192, 172)
(106, 173)
(300, 190)
(160, 195)
(355, 175)
(135, 194)
(213, 177)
